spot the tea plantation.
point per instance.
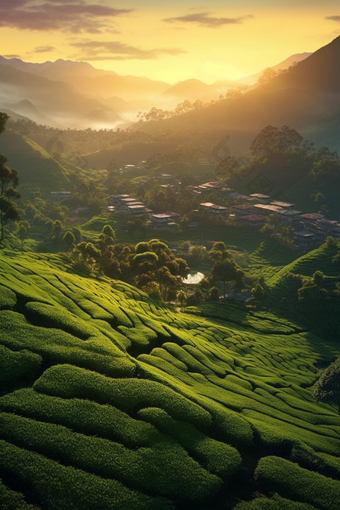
(112, 401)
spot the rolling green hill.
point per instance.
(35, 166)
(112, 401)
(320, 259)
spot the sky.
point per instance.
(168, 41)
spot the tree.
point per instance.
(327, 388)
(267, 75)
(56, 230)
(225, 271)
(258, 293)
(22, 232)
(182, 298)
(154, 262)
(3, 119)
(8, 209)
(273, 140)
(214, 294)
(227, 167)
(69, 240)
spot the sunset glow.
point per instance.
(167, 41)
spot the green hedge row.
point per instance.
(219, 458)
(165, 469)
(130, 395)
(18, 365)
(59, 487)
(81, 416)
(59, 347)
(226, 425)
(8, 298)
(54, 316)
(274, 503)
(271, 431)
(12, 500)
(294, 482)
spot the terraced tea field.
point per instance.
(111, 401)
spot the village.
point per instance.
(309, 229)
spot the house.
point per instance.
(253, 219)
(60, 195)
(242, 209)
(136, 208)
(124, 203)
(205, 206)
(305, 240)
(263, 199)
(211, 208)
(329, 228)
(116, 199)
(218, 209)
(285, 205)
(161, 221)
(289, 216)
(267, 209)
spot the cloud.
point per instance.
(333, 18)
(204, 19)
(114, 50)
(11, 56)
(74, 16)
(43, 49)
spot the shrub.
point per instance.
(217, 457)
(81, 416)
(59, 347)
(12, 500)
(296, 483)
(8, 298)
(53, 316)
(15, 366)
(274, 503)
(165, 469)
(60, 487)
(129, 395)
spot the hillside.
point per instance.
(301, 97)
(112, 401)
(36, 168)
(282, 284)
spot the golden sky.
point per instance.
(168, 41)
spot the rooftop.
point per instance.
(286, 205)
(259, 196)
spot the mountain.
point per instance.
(98, 81)
(27, 109)
(301, 97)
(282, 66)
(74, 84)
(189, 89)
(56, 99)
(55, 70)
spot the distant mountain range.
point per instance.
(68, 94)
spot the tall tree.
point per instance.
(3, 119)
(273, 140)
(9, 180)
